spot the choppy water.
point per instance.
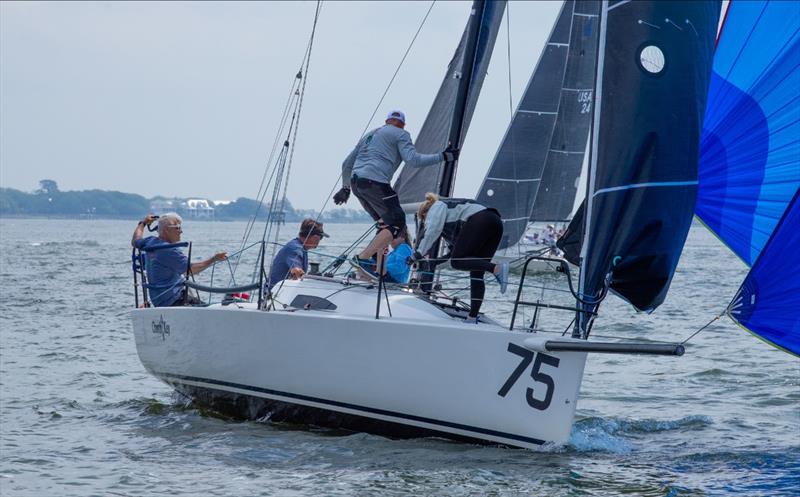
(79, 415)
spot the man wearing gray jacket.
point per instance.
(368, 171)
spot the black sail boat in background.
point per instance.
(654, 57)
(537, 166)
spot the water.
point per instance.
(79, 415)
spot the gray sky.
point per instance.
(184, 99)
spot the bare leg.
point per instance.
(377, 245)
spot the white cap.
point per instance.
(397, 114)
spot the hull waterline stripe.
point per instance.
(420, 419)
(644, 185)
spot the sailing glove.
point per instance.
(450, 154)
(413, 258)
(341, 196)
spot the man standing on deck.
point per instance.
(291, 261)
(368, 171)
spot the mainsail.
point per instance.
(545, 141)
(768, 300)
(750, 152)
(654, 64)
(413, 183)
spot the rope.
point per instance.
(701, 329)
(299, 111)
(380, 101)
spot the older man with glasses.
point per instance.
(166, 267)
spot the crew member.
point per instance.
(473, 233)
(166, 267)
(291, 261)
(397, 271)
(368, 171)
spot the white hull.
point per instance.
(420, 368)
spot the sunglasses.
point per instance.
(176, 227)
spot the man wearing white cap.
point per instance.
(368, 171)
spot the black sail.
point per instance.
(413, 183)
(558, 188)
(550, 123)
(654, 65)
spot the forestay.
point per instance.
(413, 183)
(750, 152)
(547, 135)
(654, 65)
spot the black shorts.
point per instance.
(380, 201)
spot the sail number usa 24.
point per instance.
(538, 376)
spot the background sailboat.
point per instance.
(539, 160)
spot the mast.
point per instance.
(447, 181)
(583, 320)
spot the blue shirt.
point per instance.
(396, 266)
(165, 269)
(290, 255)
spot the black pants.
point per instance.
(473, 251)
(381, 202)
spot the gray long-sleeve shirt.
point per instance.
(453, 212)
(378, 155)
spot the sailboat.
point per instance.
(535, 173)
(336, 352)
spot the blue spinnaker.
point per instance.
(768, 301)
(749, 165)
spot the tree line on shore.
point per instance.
(49, 201)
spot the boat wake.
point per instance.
(611, 435)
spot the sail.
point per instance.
(750, 152)
(544, 129)
(555, 199)
(654, 66)
(768, 300)
(413, 183)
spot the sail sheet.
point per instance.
(654, 65)
(412, 183)
(555, 198)
(769, 298)
(750, 152)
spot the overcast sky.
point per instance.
(184, 99)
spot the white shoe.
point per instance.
(502, 277)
